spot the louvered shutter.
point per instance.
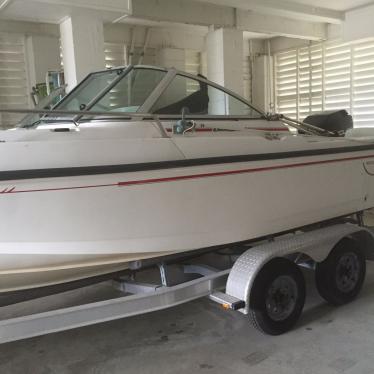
(304, 82)
(316, 78)
(363, 84)
(337, 76)
(327, 76)
(13, 77)
(286, 82)
(247, 78)
(310, 77)
(193, 66)
(193, 61)
(115, 55)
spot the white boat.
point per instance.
(86, 192)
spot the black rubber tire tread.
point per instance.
(325, 274)
(257, 310)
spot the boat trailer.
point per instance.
(262, 280)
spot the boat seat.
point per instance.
(197, 103)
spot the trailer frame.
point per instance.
(230, 287)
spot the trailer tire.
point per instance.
(277, 297)
(340, 277)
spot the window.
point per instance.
(327, 76)
(13, 78)
(200, 98)
(117, 54)
(128, 95)
(87, 90)
(131, 92)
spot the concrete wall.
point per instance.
(359, 24)
(43, 44)
(161, 37)
(281, 43)
(43, 54)
(29, 28)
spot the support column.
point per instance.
(82, 40)
(225, 58)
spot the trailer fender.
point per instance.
(316, 244)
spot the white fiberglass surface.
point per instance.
(242, 143)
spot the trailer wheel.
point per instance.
(340, 277)
(277, 297)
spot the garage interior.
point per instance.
(293, 57)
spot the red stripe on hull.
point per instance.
(242, 171)
(210, 129)
(13, 190)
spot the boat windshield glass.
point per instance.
(131, 92)
(127, 95)
(127, 90)
(87, 90)
(200, 98)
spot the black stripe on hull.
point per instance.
(162, 165)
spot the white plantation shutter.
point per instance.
(247, 78)
(115, 55)
(286, 82)
(327, 76)
(193, 61)
(316, 77)
(309, 81)
(337, 76)
(193, 66)
(13, 77)
(363, 84)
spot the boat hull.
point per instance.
(60, 229)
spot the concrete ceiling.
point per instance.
(133, 21)
(54, 11)
(305, 19)
(340, 5)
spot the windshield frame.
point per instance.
(124, 71)
(148, 104)
(151, 100)
(164, 84)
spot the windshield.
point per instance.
(144, 89)
(131, 92)
(85, 92)
(128, 94)
(198, 97)
(46, 103)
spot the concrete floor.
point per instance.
(200, 337)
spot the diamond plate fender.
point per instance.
(316, 243)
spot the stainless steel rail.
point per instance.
(303, 126)
(81, 114)
(145, 299)
(299, 125)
